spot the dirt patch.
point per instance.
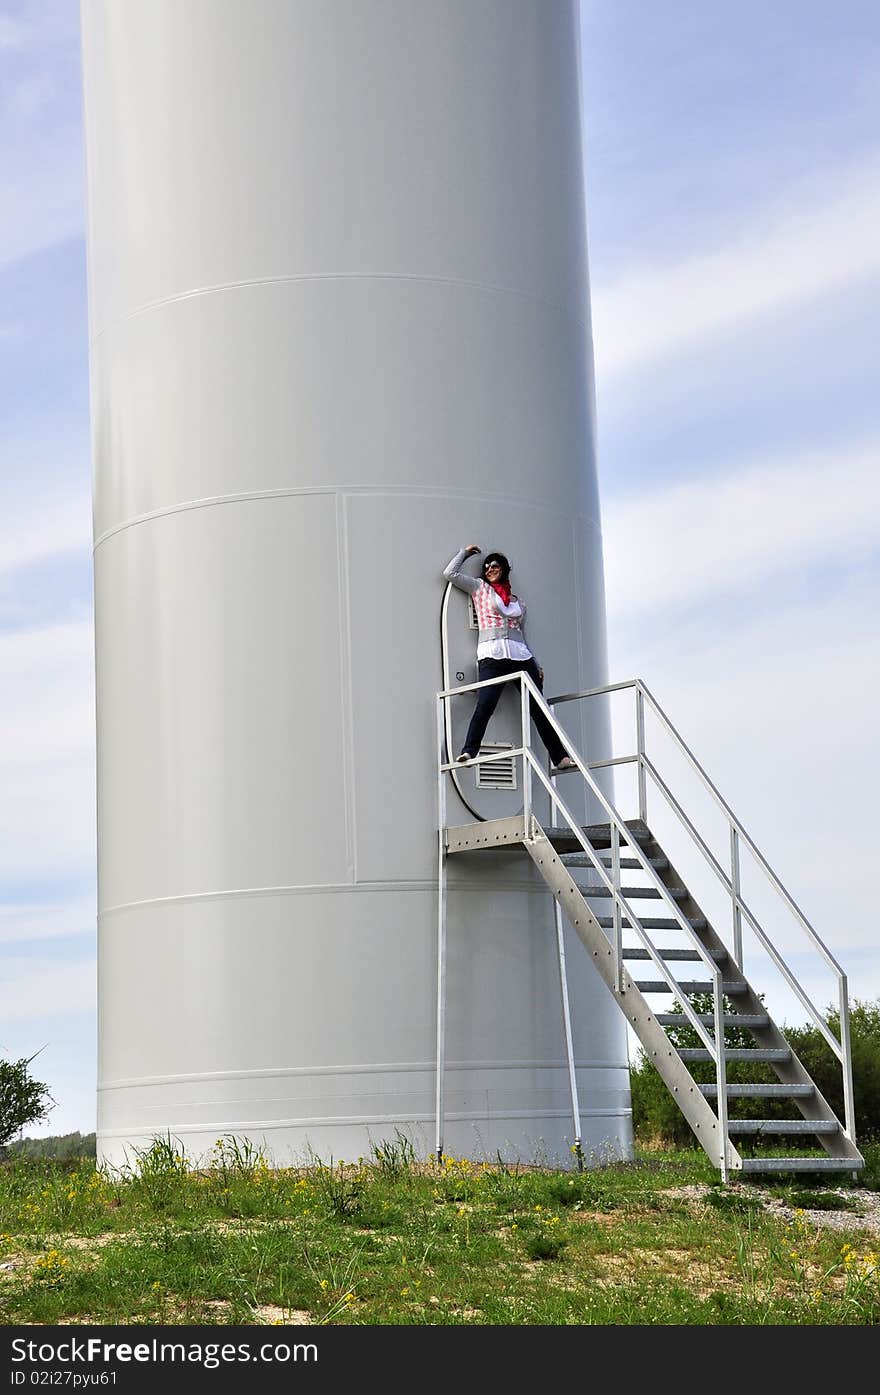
(700, 1277)
(268, 1314)
(91, 1242)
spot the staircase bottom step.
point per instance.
(802, 1164)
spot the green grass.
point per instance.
(818, 1200)
(392, 1240)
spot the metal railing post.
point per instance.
(735, 889)
(527, 766)
(569, 1041)
(846, 1047)
(553, 809)
(441, 935)
(566, 1019)
(617, 920)
(640, 747)
(721, 1073)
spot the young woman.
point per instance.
(501, 647)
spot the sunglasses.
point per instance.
(490, 565)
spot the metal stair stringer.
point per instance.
(684, 1089)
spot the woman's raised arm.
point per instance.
(453, 572)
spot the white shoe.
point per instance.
(462, 758)
(565, 764)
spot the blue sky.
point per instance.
(733, 155)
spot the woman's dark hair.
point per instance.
(500, 558)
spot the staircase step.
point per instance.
(599, 834)
(737, 1053)
(676, 954)
(802, 1164)
(659, 985)
(782, 1126)
(653, 923)
(644, 893)
(761, 1091)
(584, 861)
(628, 864)
(731, 1019)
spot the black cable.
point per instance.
(447, 705)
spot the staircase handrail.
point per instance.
(732, 819)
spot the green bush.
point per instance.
(818, 1058)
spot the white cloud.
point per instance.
(46, 694)
(807, 246)
(36, 535)
(689, 541)
(40, 989)
(47, 819)
(41, 196)
(43, 921)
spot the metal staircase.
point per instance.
(614, 919)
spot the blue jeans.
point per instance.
(487, 701)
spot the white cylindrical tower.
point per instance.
(339, 327)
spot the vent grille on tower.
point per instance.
(498, 774)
